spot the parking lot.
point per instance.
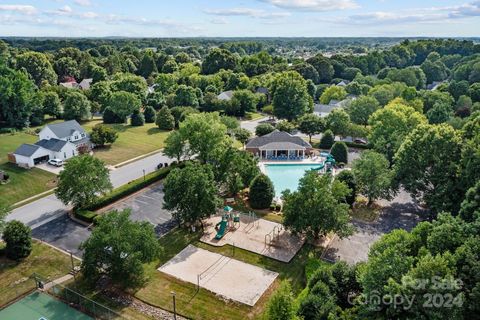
(147, 205)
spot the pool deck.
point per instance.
(315, 160)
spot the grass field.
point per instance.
(43, 260)
(204, 304)
(23, 183)
(132, 141)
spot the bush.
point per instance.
(110, 117)
(7, 130)
(165, 119)
(138, 119)
(268, 109)
(347, 177)
(263, 129)
(261, 192)
(281, 305)
(327, 140)
(101, 135)
(18, 239)
(85, 215)
(149, 114)
(285, 126)
(340, 152)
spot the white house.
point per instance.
(56, 141)
(225, 95)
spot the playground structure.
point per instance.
(219, 274)
(328, 164)
(230, 221)
(260, 236)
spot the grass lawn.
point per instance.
(43, 260)
(132, 141)
(253, 115)
(204, 304)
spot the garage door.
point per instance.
(40, 159)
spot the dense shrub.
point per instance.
(149, 114)
(327, 140)
(165, 119)
(102, 135)
(347, 177)
(138, 119)
(261, 192)
(263, 129)
(340, 152)
(18, 239)
(110, 117)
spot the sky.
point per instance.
(240, 18)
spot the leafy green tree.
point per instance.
(474, 92)
(18, 240)
(311, 124)
(433, 177)
(390, 125)
(147, 64)
(38, 66)
(317, 207)
(324, 68)
(123, 104)
(340, 152)
(101, 92)
(338, 121)
(263, 129)
(117, 248)
(205, 134)
(434, 71)
(175, 146)
(333, 93)
(137, 119)
(82, 180)
(348, 178)
(307, 71)
(373, 176)
(218, 59)
(66, 67)
(191, 193)
(165, 119)
(327, 140)
(76, 106)
(281, 305)
(261, 192)
(291, 99)
(129, 83)
(102, 135)
(230, 122)
(430, 97)
(16, 96)
(51, 103)
(285, 126)
(242, 135)
(458, 88)
(440, 113)
(149, 114)
(186, 96)
(242, 101)
(362, 108)
(110, 117)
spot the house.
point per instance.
(279, 145)
(72, 84)
(226, 95)
(85, 84)
(56, 141)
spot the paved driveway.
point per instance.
(63, 233)
(400, 213)
(49, 168)
(147, 205)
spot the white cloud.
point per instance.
(219, 20)
(247, 12)
(83, 3)
(23, 9)
(314, 5)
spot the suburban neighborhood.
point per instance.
(220, 174)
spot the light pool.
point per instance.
(287, 176)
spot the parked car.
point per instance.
(55, 162)
(360, 141)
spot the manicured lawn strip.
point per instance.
(24, 183)
(43, 260)
(204, 304)
(253, 115)
(132, 141)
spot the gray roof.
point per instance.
(226, 95)
(262, 90)
(279, 140)
(81, 141)
(26, 149)
(65, 129)
(52, 144)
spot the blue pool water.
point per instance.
(287, 176)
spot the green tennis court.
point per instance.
(41, 306)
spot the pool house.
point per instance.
(279, 145)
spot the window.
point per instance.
(73, 152)
(76, 137)
(64, 155)
(83, 135)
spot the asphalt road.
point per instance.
(49, 208)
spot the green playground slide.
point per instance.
(221, 230)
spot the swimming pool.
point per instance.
(287, 176)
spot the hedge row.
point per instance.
(88, 214)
